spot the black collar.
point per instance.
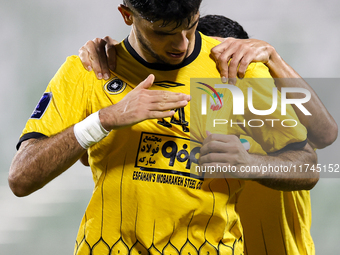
(166, 67)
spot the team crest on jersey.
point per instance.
(42, 106)
(115, 86)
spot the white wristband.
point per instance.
(90, 131)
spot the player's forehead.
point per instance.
(171, 26)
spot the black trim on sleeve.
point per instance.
(293, 146)
(27, 136)
(166, 67)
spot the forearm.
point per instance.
(322, 129)
(39, 161)
(288, 170)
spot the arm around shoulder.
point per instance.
(322, 128)
(294, 169)
(278, 170)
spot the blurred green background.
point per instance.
(38, 35)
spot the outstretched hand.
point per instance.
(141, 104)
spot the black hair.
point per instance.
(218, 25)
(169, 11)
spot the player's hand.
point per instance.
(99, 55)
(141, 104)
(240, 53)
(224, 151)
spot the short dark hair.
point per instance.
(169, 11)
(218, 25)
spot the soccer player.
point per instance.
(145, 199)
(278, 222)
(269, 229)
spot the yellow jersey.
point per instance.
(146, 199)
(275, 222)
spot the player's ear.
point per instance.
(126, 13)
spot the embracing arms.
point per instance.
(285, 170)
(233, 57)
(38, 161)
(100, 54)
(322, 128)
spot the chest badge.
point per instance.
(115, 86)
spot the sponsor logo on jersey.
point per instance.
(115, 86)
(42, 106)
(168, 154)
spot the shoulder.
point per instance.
(72, 71)
(73, 63)
(72, 78)
(209, 42)
(257, 70)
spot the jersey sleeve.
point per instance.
(63, 104)
(272, 131)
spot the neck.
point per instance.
(146, 51)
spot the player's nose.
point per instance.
(180, 42)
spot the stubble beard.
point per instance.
(147, 48)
